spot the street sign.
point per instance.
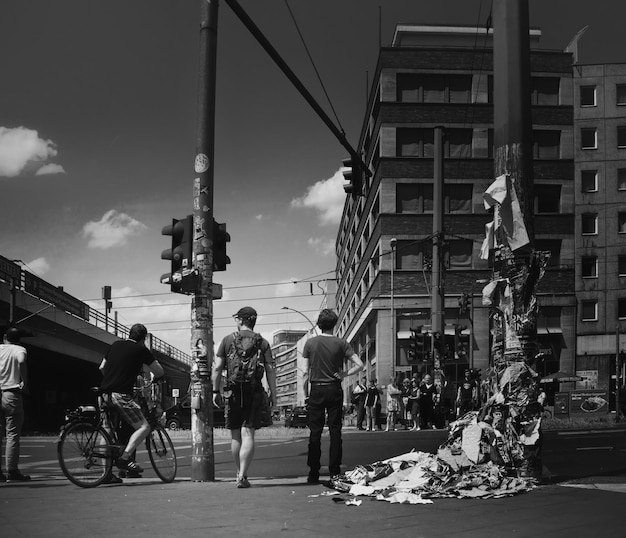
(175, 393)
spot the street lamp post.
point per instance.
(304, 316)
(392, 251)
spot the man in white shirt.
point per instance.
(12, 385)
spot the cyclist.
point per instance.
(120, 367)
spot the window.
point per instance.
(621, 179)
(554, 247)
(587, 96)
(458, 143)
(620, 91)
(589, 266)
(621, 222)
(414, 198)
(589, 180)
(621, 137)
(621, 265)
(547, 144)
(588, 138)
(547, 198)
(429, 88)
(589, 311)
(458, 198)
(621, 308)
(413, 255)
(589, 223)
(545, 90)
(459, 254)
(415, 142)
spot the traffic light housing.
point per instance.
(220, 238)
(180, 253)
(461, 343)
(353, 174)
(416, 345)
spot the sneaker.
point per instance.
(242, 482)
(112, 479)
(17, 476)
(128, 465)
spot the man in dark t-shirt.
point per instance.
(120, 367)
(324, 358)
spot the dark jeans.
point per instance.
(360, 413)
(325, 399)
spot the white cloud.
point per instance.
(327, 197)
(259, 217)
(20, 147)
(49, 169)
(38, 266)
(325, 247)
(112, 230)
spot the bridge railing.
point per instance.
(112, 326)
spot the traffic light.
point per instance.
(220, 238)
(416, 345)
(353, 174)
(461, 343)
(180, 253)
(465, 303)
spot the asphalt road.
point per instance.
(566, 455)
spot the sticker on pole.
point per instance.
(201, 164)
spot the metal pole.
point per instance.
(392, 245)
(617, 372)
(437, 297)
(298, 312)
(202, 455)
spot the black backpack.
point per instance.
(244, 362)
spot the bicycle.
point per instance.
(88, 444)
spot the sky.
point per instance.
(98, 108)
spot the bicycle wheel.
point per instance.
(162, 454)
(84, 453)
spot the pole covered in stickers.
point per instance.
(202, 456)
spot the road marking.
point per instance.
(617, 488)
(595, 448)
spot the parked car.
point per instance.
(179, 416)
(297, 418)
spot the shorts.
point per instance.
(128, 408)
(243, 408)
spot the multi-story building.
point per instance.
(288, 375)
(600, 157)
(443, 76)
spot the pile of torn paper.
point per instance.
(477, 461)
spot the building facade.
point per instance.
(435, 76)
(600, 157)
(288, 369)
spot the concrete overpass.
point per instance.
(66, 342)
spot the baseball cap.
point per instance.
(246, 312)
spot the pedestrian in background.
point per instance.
(358, 397)
(405, 409)
(372, 399)
(379, 406)
(243, 399)
(414, 404)
(428, 393)
(393, 404)
(324, 358)
(13, 384)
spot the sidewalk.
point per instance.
(288, 506)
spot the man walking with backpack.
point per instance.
(324, 362)
(247, 356)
